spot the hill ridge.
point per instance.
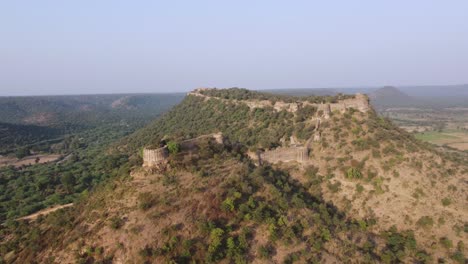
(373, 193)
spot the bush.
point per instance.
(228, 205)
(173, 147)
(146, 252)
(446, 243)
(359, 188)
(446, 201)
(265, 251)
(116, 222)
(146, 200)
(425, 222)
(215, 246)
(335, 187)
(458, 257)
(169, 179)
(353, 173)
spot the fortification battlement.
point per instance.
(155, 157)
(360, 102)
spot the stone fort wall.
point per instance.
(360, 102)
(154, 157)
(284, 154)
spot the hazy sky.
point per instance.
(105, 46)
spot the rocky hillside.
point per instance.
(366, 192)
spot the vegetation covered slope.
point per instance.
(85, 127)
(13, 135)
(262, 127)
(364, 164)
(216, 206)
(81, 110)
(370, 193)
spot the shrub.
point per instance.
(173, 147)
(458, 257)
(353, 173)
(116, 222)
(146, 252)
(169, 179)
(359, 188)
(446, 201)
(446, 243)
(22, 152)
(425, 222)
(216, 240)
(334, 187)
(146, 200)
(228, 205)
(265, 251)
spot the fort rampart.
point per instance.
(154, 157)
(360, 102)
(284, 154)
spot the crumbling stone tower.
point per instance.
(153, 157)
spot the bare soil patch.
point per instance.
(45, 212)
(30, 160)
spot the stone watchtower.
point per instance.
(153, 157)
(219, 138)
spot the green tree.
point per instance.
(68, 180)
(173, 147)
(22, 152)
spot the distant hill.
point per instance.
(33, 119)
(430, 96)
(460, 90)
(83, 110)
(390, 96)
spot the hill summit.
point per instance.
(391, 96)
(236, 176)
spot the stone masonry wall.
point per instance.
(360, 103)
(153, 157)
(284, 154)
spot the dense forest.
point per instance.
(29, 189)
(80, 134)
(27, 121)
(13, 136)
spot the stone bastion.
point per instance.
(155, 157)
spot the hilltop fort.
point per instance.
(292, 150)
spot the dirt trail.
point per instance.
(30, 160)
(45, 212)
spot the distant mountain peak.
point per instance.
(390, 96)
